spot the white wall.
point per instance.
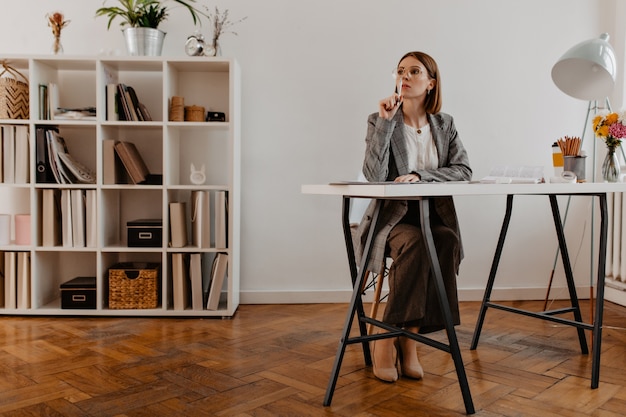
(313, 71)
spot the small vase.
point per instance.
(57, 48)
(610, 166)
(214, 49)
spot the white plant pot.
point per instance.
(144, 41)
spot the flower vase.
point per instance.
(214, 49)
(57, 48)
(610, 166)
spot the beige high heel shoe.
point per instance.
(409, 363)
(384, 359)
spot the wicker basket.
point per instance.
(134, 285)
(194, 114)
(13, 93)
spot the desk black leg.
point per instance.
(445, 306)
(597, 324)
(355, 301)
(569, 276)
(347, 233)
(492, 272)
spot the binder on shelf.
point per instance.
(50, 218)
(195, 277)
(23, 280)
(22, 159)
(178, 224)
(44, 173)
(10, 280)
(180, 282)
(67, 233)
(78, 218)
(218, 274)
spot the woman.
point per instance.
(409, 140)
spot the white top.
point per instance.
(421, 150)
(405, 190)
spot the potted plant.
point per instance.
(140, 20)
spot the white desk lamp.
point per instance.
(587, 72)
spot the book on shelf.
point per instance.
(67, 234)
(78, 218)
(195, 278)
(112, 168)
(180, 281)
(23, 279)
(91, 219)
(22, 159)
(201, 218)
(53, 100)
(43, 102)
(50, 220)
(111, 102)
(129, 107)
(178, 224)
(10, 280)
(1, 157)
(1, 280)
(8, 153)
(221, 219)
(134, 164)
(219, 271)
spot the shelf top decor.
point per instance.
(140, 20)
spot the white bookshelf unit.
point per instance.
(167, 147)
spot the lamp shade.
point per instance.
(587, 70)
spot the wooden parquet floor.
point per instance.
(275, 360)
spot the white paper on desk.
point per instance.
(526, 174)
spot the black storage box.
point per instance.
(145, 233)
(79, 293)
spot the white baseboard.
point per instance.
(343, 296)
(615, 292)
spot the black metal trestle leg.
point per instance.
(455, 351)
(356, 307)
(492, 272)
(569, 275)
(596, 326)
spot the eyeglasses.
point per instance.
(410, 72)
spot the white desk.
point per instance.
(423, 192)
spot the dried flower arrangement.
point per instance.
(57, 21)
(221, 24)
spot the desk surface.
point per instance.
(404, 190)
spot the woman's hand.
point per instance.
(407, 178)
(388, 107)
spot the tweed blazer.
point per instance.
(386, 159)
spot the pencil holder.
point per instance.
(575, 164)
